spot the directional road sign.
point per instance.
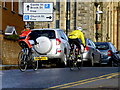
(38, 8)
(38, 17)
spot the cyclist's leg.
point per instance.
(78, 43)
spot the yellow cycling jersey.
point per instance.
(77, 34)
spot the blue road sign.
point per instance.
(47, 6)
(26, 17)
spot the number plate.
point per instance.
(40, 58)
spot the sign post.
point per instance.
(38, 12)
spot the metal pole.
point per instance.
(96, 27)
(96, 22)
(67, 18)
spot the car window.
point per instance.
(89, 43)
(47, 33)
(65, 35)
(62, 35)
(102, 46)
(92, 43)
(112, 47)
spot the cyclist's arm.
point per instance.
(82, 39)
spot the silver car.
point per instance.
(106, 48)
(52, 46)
(91, 54)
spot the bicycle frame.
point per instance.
(74, 52)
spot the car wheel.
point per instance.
(60, 64)
(111, 63)
(100, 63)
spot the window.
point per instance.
(89, 43)
(4, 3)
(0, 4)
(57, 23)
(68, 5)
(112, 47)
(102, 46)
(58, 6)
(38, 33)
(12, 5)
(68, 24)
(93, 44)
(20, 7)
(62, 35)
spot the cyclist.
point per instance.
(78, 36)
(25, 31)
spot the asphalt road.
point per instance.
(87, 77)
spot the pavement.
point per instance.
(8, 67)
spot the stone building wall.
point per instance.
(109, 23)
(72, 16)
(63, 15)
(118, 33)
(85, 18)
(104, 26)
(0, 15)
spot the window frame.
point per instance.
(20, 9)
(4, 5)
(12, 7)
(0, 4)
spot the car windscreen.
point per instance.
(47, 33)
(102, 46)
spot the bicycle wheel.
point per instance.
(72, 61)
(22, 64)
(72, 64)
(34, 63)
(79, 63)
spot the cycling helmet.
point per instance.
(27, 26)
(79, 28)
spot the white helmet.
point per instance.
(79, 28)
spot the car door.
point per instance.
(96, 53)
(91, 48)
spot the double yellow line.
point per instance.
(72, 84)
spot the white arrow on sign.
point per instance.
(37, 17)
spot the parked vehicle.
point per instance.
(115, 59)
(106, 48)
(91, 54)
(51, 46)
